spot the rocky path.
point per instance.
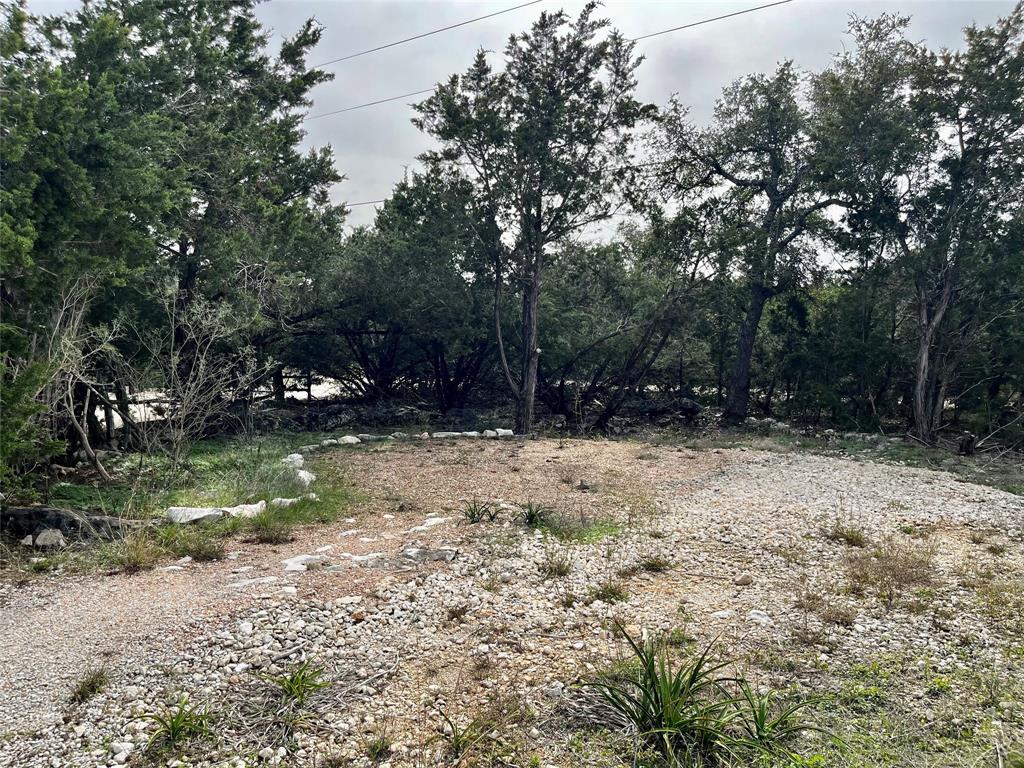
(412, 612)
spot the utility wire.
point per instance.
(708, 21)
(633, 40)
(426, 34)
(369, 104)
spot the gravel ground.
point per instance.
(418, 617)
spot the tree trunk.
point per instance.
(278, 385)
(739, 386)
(530, 352)
(929, 319)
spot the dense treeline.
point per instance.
(841, 247)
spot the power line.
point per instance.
(365, 202)
(708, 21)
(426, 34)
(369, 104)
(642, 37)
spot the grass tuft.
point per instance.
(91, 683)
(693, 713)
(178, 725)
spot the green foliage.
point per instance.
(477, 511)
(177, 725)
(23, 442)
(694, 714)
(535, 515)
(298, 685)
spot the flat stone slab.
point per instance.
(429, 523)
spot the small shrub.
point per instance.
(177, 725)
(299, 684)
(568, 600)
(996, 548)
(91, 683)
(609, 592)
(978, 537)
(478, 511)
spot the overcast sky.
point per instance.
(373, 146)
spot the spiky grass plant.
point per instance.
(299, 684)
(178, 724)
(695, 714)
(477, 511)
(535, 515)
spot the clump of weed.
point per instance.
(608, 592)
(199, 542)
(480, 736)
(177, 725)
(850, 535)
(132, 554)
(655, 563)
(268, 528)
(298, 685)
(996, 548)
(378, 745)
(535, 515)
(556, 565)
(477, 511)
(890, 568)
(92, 682)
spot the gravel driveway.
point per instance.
(411, 611)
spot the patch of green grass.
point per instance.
(202, 543)
(268, 528)
(134, 553)
(88, 685)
